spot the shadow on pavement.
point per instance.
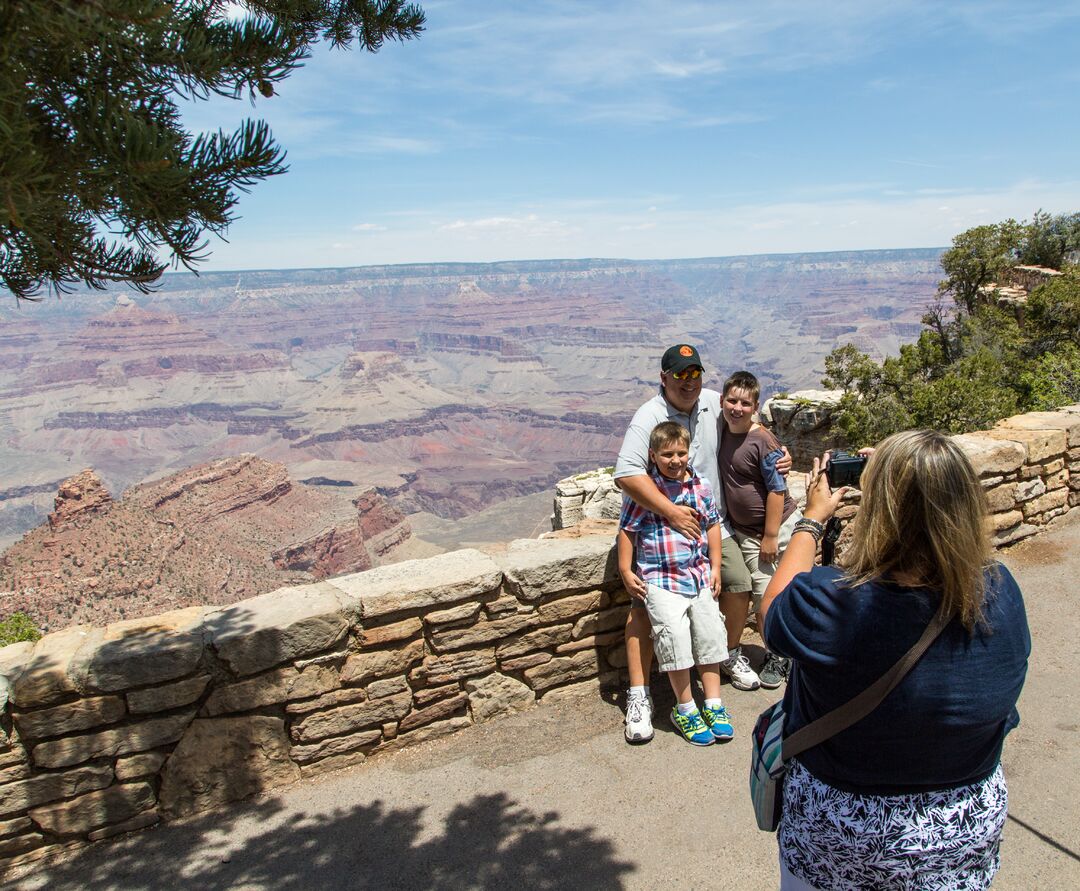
(1045, 838)
(490, 842)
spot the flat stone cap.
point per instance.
(991, 456)
(433, 582)
(535, 567)
(278, 627)
(1066, 420)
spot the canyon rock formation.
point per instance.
(456, 391)
(215, 533)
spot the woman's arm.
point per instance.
(821, 504)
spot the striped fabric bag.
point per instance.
(767, 767)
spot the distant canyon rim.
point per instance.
(459, 393)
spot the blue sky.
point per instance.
(532, 130)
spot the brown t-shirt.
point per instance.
(748, 471)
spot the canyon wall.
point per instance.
(105, 730)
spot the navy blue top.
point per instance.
(945, 723)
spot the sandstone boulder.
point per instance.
(219, 760)
(137, 652)
(495, 694)
(286, 624)
(167, 696)
(279, 685)
(17, 797)
(82, 714)
(422, 584)
(990, 455)
(48, 674)
(1039, 445)
(535, 567)
(1065, 421)
(95, 809)
(140, 737)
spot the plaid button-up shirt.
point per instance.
(665, 558)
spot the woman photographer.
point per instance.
(912, 796)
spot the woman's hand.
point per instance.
(821, 500)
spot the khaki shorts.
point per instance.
(761, 573)
(734, 576)
(686, 630)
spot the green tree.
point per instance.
(98, 176)
(1048, 239)
(978, 257)
(1053, 311)
(1053, 380)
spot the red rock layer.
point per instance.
(211, 534)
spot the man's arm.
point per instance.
(634, 584)
(643, 492)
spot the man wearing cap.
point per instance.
(682, 399)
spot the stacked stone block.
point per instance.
(586, 496)
(108, 730)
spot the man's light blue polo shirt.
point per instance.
(702, 423)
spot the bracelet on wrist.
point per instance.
(816, 529)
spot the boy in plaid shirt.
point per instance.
(679, 585)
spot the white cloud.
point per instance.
(528, 226)
(847, 223)
(368, 227)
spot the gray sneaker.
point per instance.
(737, 667)
(774, 672)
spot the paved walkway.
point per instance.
(554, 799)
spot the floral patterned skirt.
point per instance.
(930, 841)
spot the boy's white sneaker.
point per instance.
(736, 667)
(639, 727)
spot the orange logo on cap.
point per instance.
(685, 350)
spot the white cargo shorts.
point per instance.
(686, 630)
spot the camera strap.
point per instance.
(828, 541)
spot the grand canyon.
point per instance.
(449, 396)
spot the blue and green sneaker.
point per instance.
(692, 727)
(718, 721)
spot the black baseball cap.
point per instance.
(680, 357)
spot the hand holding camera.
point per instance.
(833, 473)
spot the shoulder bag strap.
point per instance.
(854, 710)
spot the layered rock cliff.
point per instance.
(214, 533)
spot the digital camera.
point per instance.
(845, 469)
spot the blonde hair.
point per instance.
(924, 517)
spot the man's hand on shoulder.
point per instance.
(783, 465)
(684, 520)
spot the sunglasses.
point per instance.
(687, 374)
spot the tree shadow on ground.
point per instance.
(490, 842)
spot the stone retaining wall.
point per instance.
(107, 730)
